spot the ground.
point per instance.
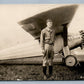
(34, 72)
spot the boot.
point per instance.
(50, 71)
(44, 72)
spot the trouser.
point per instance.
(48, 58)
(48, 55)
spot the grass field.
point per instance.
(34, 72)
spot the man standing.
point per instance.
(47, 43)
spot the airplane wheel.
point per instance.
(70, 61)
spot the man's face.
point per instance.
(49, 24)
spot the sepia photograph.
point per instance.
(41, 42)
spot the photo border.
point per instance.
(42, 2)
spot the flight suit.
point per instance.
(47, 43)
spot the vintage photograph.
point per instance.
(41, 42)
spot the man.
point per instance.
(47, 43)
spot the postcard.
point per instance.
(41, 42)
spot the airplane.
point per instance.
(64, 43)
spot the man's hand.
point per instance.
(43, 51)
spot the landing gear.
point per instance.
(70, 60)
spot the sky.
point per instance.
(12, 34)
(77, 22)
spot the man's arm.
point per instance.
(54, 36)
(42, 40)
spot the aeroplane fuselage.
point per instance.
(73, 42)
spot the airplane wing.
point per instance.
(34, 25)
(59, 16)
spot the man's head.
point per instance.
(49, 23)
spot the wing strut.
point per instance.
(66, 50)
